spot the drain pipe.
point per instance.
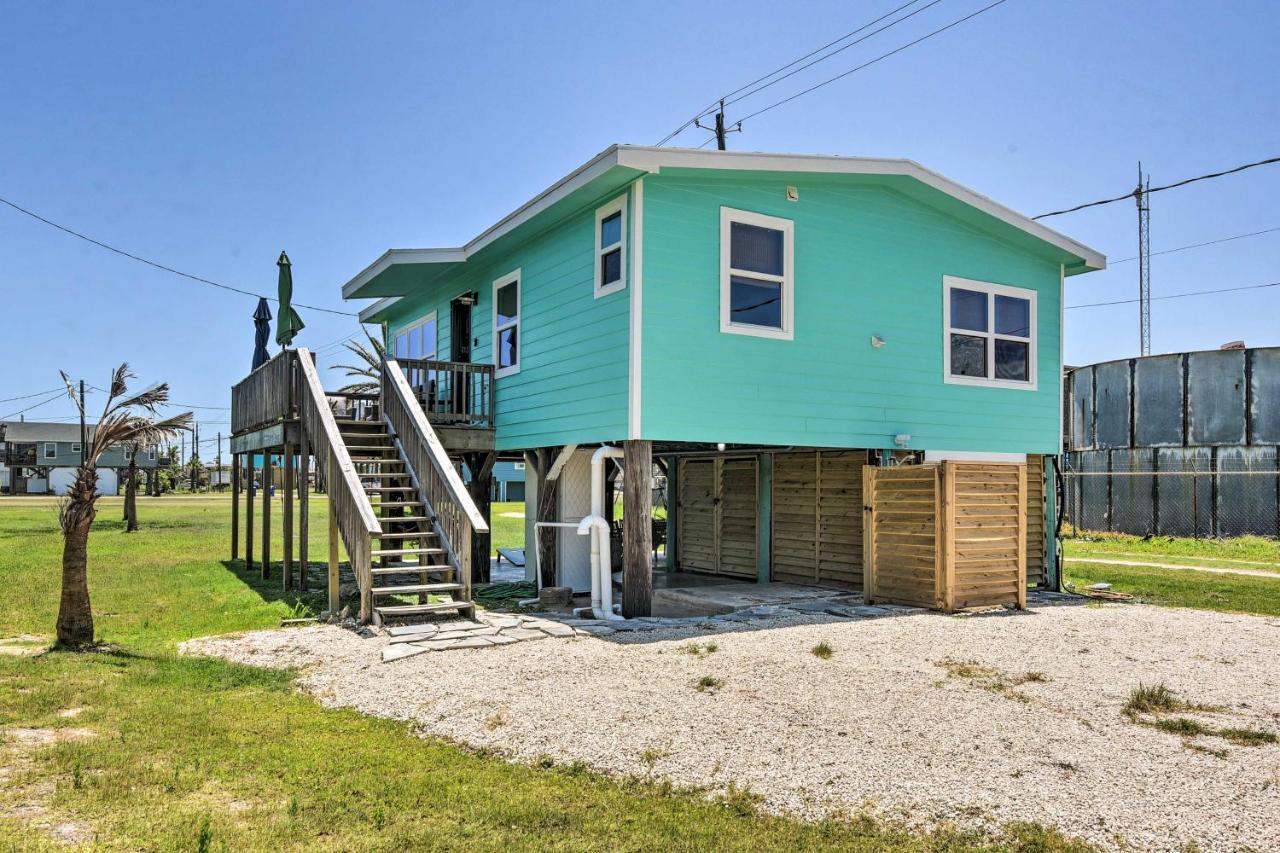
(597, 527)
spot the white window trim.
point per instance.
(47, 446)
(405, 330)
(728, 216)
(498, 284)
(518, 466)
(75, 447)
(618, 205)
(151, 456)
(992, 290)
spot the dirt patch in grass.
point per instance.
(992, 678)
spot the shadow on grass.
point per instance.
(310, 601)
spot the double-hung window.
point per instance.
(417, 340)
(51, 450)
(990, 334)
(611, 247)
(757, 281)
(506, 324)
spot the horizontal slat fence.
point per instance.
(947, 535)
(266, 395)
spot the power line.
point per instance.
(871, 62)
(160, 266)
(29, 396)
(61, 392)
(1132, 193)
(840, 49)
(1198, 245)
(1177, 295)
(707, 110)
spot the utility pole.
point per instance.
(1142, 196)
(720, 130)
(218, 467)
(84, 432)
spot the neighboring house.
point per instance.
(508, 481)
(763, 327)
(772, 305)
(41, 458)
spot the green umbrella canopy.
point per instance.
(288, 323)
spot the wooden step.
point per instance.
(385, 448)
(399, 503)
(413, 534)
(408, 589)
(411, 569)
(417, 609)
(392, 552)
(375, 460)
(378, 489)
(382, 475)
(405, 518)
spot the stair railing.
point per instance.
(457, 518)
(356, 520)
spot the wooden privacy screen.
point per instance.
(946, 535)
(717, 516)
(1036, 575)
(817, 517)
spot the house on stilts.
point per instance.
(846, 370)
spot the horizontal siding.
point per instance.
(869, 261)
(572, 384)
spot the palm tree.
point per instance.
(126, 420)
(131, 488)
(369, 371)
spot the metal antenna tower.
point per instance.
(1142, 195)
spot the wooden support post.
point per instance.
(481, 489)
(637, 528)
(1022, 537)
(304, 507)
(673, 514)
(266, 512)
(287, 537)
(945, 535)
(764, 517)
(538, 463)
(248, 512)
(869, 533)
(235, 505)
(333, 560)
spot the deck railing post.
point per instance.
(267, 470)
(333, 548)
(235, 505)
(287, 531)
(248, 512)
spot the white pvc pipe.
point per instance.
(596, 526)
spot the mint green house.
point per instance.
(753, 330)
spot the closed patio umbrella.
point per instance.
(261, 333)
(288, 323)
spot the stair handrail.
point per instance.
(457, 516)
(356, 520)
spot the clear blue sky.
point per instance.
(211, 136)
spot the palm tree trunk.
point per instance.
(75, 615)
(131, 494)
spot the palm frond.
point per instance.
(360, 388)
(150, 399)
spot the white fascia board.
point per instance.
(377, 307)
(391, 257)
(653, 159)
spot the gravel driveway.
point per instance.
(897, 720)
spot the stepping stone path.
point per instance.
(502, 629)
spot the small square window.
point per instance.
(990, 334)
(756, 282)
(75, 448)
(50, 450)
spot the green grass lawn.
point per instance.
(1181, 587)
(1250, 552)
(168, 753)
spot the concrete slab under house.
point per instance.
(834, 372)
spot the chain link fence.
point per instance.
(1200, 497)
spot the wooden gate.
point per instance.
(817, 517)
(946, 535)
(717, 516)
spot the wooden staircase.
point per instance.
(413, 574)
